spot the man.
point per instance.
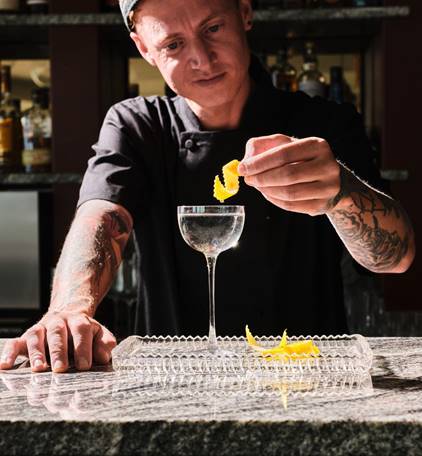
(309, 181)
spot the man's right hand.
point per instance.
(59, 334)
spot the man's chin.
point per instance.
(209, 99)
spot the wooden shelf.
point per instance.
(297, 15)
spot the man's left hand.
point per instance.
(299, 175)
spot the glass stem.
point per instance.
(212, 337)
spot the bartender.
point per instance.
(310, 189)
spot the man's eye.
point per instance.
(173, 46)
(214, 28)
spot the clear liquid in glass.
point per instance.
(211, 230)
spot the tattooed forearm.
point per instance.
(90, 258)
(374, 227)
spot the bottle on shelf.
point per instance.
(36, 123)
(311, 80)
(10, 128)
(336, 88)
(283, 74)
(9, 6)
(37, 6)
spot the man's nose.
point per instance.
(202, 55)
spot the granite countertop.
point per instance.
(107, 412)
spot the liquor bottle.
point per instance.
(283, 74)
(311, 81)
(36, 123)
(336, 89)
(9, 6)
(37, 6)
(10, 132)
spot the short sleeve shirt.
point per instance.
(153, 155)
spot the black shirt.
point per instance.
(153, 155)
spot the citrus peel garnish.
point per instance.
(231, 182)
(283, 351)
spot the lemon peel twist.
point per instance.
(231, 182)
(284, 351)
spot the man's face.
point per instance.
(199, 46)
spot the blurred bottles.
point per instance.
(10, 128)
(9, 6)
(37, 6)
(311, 80)
(283, 74)
(336, 88)
(36, 123)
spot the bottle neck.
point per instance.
(310, 66)
(5, 96)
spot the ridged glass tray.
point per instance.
(189, 355)
(226, 386)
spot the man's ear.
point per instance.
(143, 50)
(246, 12)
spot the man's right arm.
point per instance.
(89, 260)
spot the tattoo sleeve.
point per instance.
(90, 257)
(374, 227)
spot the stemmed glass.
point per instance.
(211, 230)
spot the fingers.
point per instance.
(256, 146)
(35, 342)
(57, 344)
(104, 342)
(81, 330)
(280, 155)
(12, 349)
(287, 175)
(302, 192)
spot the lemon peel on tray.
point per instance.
(231, 182)
(284, 351)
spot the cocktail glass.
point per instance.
(211, 230)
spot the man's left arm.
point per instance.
(302, 175)
(373, 226)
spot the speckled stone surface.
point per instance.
(40, 178)
(106, 412)
(259, 16)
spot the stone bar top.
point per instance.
(106, 412)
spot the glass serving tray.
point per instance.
(129, 383)
(153, 355)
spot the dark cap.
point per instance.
(126, 6)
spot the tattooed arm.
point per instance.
(374, 227)
(91, 255)
(302, 175)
